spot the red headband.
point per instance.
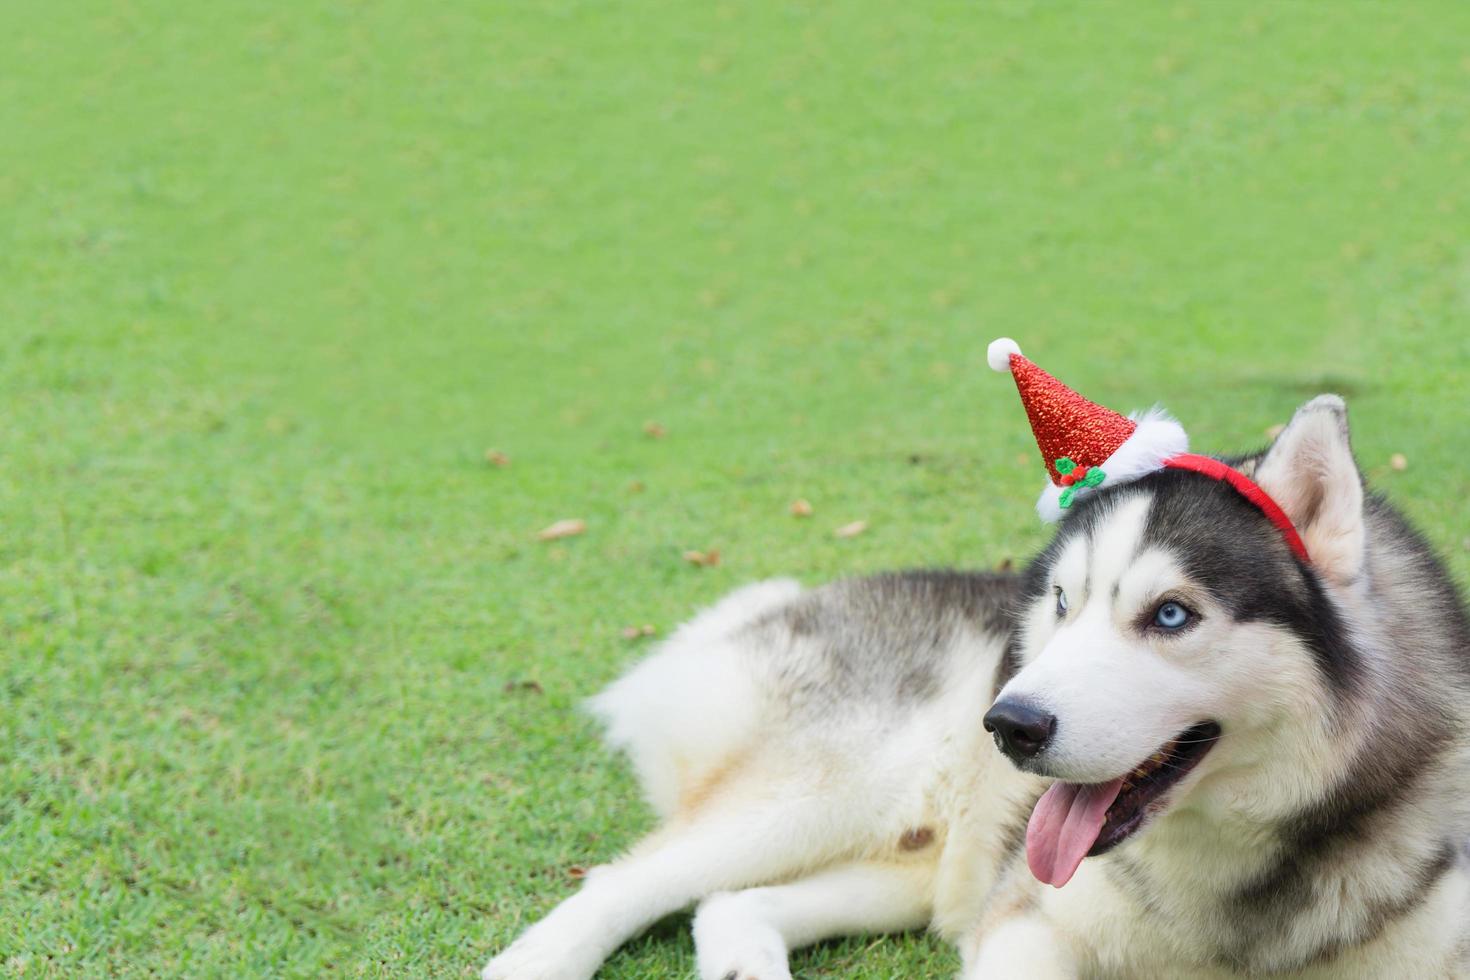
(1247, 488)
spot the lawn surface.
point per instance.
(289, 686)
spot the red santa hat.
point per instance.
(1084, 445)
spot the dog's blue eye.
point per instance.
(1171, 616)
(1061, 603)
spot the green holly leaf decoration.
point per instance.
(1093, 478)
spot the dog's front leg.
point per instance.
(746, 934)
(678, 865)
(1022, 946)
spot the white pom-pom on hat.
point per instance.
(998, 354)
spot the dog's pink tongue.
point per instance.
(1064, 826)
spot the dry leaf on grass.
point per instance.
(1005, 565)
(528, 687)
(1399, 462)
(638, 632)
(570, 527)
(654, 430)
(576, 872)
(801, 508)
(496, 458)
(1275, 431)
(704, 558)
(851, 530)
(636, 486)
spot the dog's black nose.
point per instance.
(1020, 730)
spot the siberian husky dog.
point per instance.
(1214, 760)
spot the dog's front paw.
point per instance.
(754, 953)
(529, 959)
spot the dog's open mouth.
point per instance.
(1073, 820)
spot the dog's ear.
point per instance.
(1311, 473)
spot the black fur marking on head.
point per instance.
(1228, 547)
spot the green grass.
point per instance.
(274, 277)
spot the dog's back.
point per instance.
(775, 682)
